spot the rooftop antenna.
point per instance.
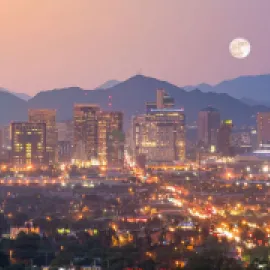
(139, 72)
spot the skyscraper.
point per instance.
(208, 126)
(6, 137)
(64, 151)
(224, 138)
(1, 138)
(65, 131)
(5, 144)
(85, 144)
(28, 142)
(47, 116)
(159, 135)
(163, 101)
(263, 128)
(111, 139)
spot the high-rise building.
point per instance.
(263, 129)
(5, 144)
(1, 138)
(47, 116)
(28, 142)
(111, 139)
(6, 137)
(241, 141)
(64, 151)
(163, 101)
(224, 138)
(85, 137)
(65, 131)
(208, 126)
(98, 136)
(160, 135)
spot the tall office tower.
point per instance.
(208, 126)
(160, 135)
(164, 100)
(224, 138)
(1, 138)
(64, 151)
(28, 141)
(65, 131)
(263, 129)
(6, 137)
(85, 137)
(1, 146)
(111, 139)
(47, 116)
(5, 144)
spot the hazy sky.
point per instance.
(55, 43)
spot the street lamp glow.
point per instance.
(265, 168)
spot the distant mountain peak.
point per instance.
(108, 84)
(19, 95)
(251, 89)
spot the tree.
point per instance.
(19, 219)
(4, 260)
(16, 267)
(3, 224)
(62, 259)
(148, 265)
(259, 235)
(26, 247)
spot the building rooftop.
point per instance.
(209, 109)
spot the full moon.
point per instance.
(240, 48)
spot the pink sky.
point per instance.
(57, 43)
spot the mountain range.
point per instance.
(251, 89)
(108, 84)
(19, 95)
(129, 96)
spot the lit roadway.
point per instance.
(200, 212)
(31, 181)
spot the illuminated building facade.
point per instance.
(224, 138)
(5, 144)
(263, 129)
(65, 141)
(85, 143)
(111, 139)
(64, 151)
(1, 138)
(15, 231)
(160, 135)
(47, 116)
(28, 142)
(6, 137)
(98, 136)
(65, 131)
(208, 126)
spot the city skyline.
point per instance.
(165, 165)
(57, 44)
